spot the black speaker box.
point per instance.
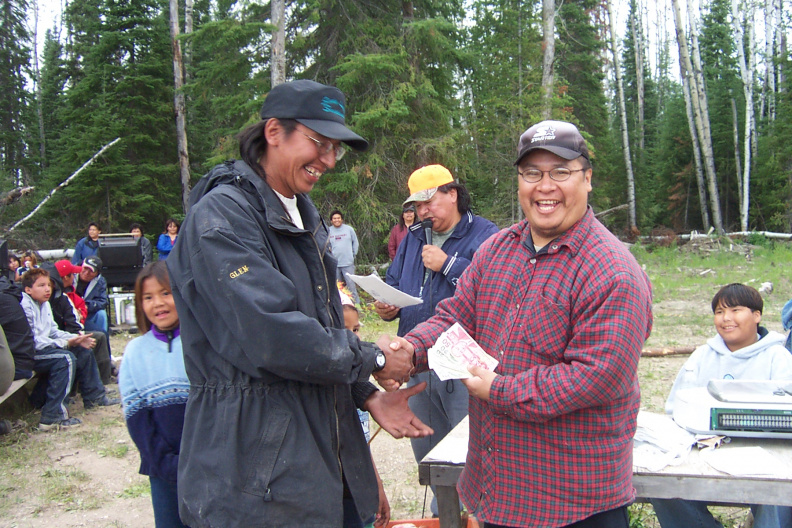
(122, 259)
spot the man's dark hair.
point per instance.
(253, 144)
(737, 294)
(94, 224)
(463, 196)
(134, 226)
(336, 212)
(30, 277)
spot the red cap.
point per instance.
(65, 267)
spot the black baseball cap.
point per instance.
(559, 137)
(93, 263)
(320, 107)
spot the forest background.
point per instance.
(688, 109)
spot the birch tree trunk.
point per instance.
(278, 45)
(188, 29)
(781, 46)
(696, 96)
(548, 43)
(698, 78)
(37, 73)
(746, 73)
(623, 120)
(700, 181)
(661, 57)
(636, 28)
(767, 99)
(178, 103)
(737, 162)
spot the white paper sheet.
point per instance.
(454, 452)
(745, 461)
(383, 292)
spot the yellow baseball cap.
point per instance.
(423, 183)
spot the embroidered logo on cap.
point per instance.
(545, 133)
(334, 106)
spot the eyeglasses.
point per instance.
(326, 147)
(558, 174)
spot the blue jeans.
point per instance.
(166, 504)
(79, 365)
(97, 322)
(681, 513)
(59, 367)
(351, 516)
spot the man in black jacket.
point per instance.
(17, 330)
(271, 432)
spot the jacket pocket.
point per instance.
(266, 455)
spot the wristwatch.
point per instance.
(379, 361)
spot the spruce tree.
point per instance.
(15, 168)
(502, 99)
(397, 63)
(120, 85)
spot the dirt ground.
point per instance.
(87, 476)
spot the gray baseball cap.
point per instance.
(559, 137)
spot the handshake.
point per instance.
(399, 362)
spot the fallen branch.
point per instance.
(612, 210)
(374, 435)
(667, 351)
(61, 457)
(66, 182)
(15, 194)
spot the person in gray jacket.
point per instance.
(344, 244)
(271, 433)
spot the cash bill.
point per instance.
(454, 351)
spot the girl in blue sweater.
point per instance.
(154, 388)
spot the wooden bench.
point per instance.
(15, 386)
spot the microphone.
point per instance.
(427, 227)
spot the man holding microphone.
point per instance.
(428, 264)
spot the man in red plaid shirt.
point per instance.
(565, 309)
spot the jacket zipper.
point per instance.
(328, 305)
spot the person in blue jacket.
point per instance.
(786, 320)
(430, 269)
(168, 238)
(87, 246)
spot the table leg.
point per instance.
(448, 507)
(118, 303)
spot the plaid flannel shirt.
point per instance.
(554, 443)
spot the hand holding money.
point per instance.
(480, 382)
(455, 352)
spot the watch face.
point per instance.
(380, 360)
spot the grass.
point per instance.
(684, 282)
(138, 489)
(62, 487)
(677, 273)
